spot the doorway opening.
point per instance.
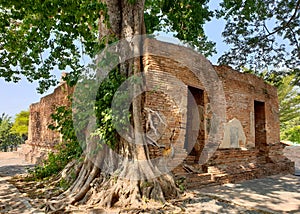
(195, 129)
(260, 124)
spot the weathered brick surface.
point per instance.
(41, 139)
(253, 147)
(166, 59)
(241, 90)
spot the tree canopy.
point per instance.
(261, 33)
(39, 36)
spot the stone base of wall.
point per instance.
(236, 165)
(202, 180)
(293, 153)
(33, 154)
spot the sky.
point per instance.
(15, 97)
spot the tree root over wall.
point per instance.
(128, 184)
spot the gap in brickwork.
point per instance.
(195, 135)
(260, 124)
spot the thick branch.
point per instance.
(287, 23)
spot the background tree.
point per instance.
(293, 134)
(20, 125)
(289, 108)
(289, 99)
(4, 117)
(8, 140)
(5, 125)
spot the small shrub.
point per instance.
(66, 151)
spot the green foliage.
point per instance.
(132, 1)
(180, 183)
(292, 134)
(64, 184)
(20, 125)
(63, 123)
(289, 99)
(8, 139)
(185, 18)
(54, 164)
(289, 108)
(66, 151)
(38, 36)
(106, 121)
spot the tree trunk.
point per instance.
(132, 178)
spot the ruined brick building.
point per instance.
(249, 143)
(222, 125)
(41, 139)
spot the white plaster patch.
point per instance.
(234, 136)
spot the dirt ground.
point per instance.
(11, 200)
(19, 196)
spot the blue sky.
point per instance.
(15, 97)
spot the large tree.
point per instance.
(37, 36)
(41, 35)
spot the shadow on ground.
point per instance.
(277, 194)
(12, 170)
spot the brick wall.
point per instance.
(241, 90)
(191, 70)
(40, 138)
(249, 145)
